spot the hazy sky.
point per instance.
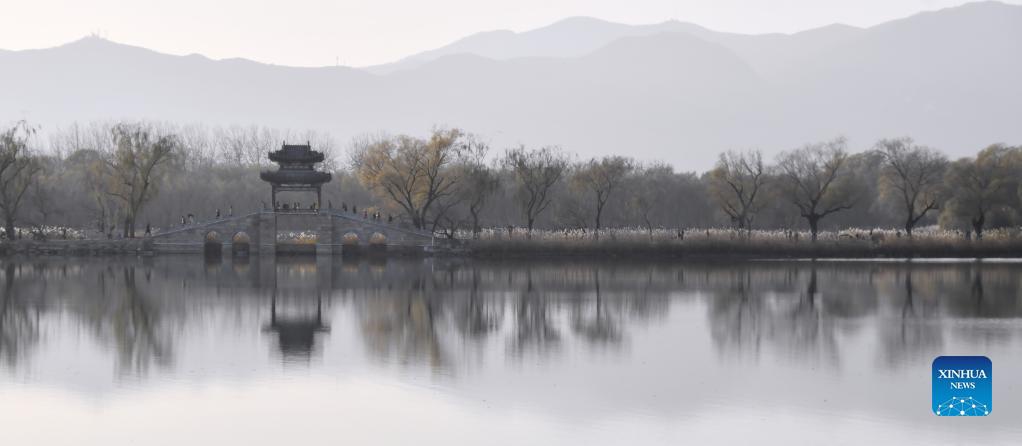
(366, 32)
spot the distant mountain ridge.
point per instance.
(671, 91)
(571, 37)
(577, 36)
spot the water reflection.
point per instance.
(404, 321)
(579, 340)
(427, 311)
(780, 307)
(296, 334)
(19, 319)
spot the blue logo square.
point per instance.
(962, 386)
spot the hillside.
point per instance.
(672, 91)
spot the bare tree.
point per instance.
(42, 195)
(914, 176)
(18, 169)
(536, 171)
(456, 184)
(816, 182)
(413, 173)
(601, 177)
(651, 193)
(982, 184)
(480, 182)
(135, 166)
(736, 182)
(91, 178)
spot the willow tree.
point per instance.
(536, 172)
(816, 181)
(601, 177)
(979, 186)
(737, 182)
(914, 176)
(414, 173)
(139, 155)
(18, 169)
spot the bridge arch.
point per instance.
(378, 238)
(350, 238)
(241, 243)
(377, 242)
(213, 245)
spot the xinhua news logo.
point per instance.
(962, 386)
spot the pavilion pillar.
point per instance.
(273, 197)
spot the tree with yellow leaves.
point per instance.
(140, 151)
(415, 174)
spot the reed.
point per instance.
(727, 243)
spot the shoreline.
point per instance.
(756, 249)
(720, 250)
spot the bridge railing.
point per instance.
(205, 223)
(371, 222)
(377, 223)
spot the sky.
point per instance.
(369, 32)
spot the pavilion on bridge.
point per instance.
(296, 173)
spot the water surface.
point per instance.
(184, 350)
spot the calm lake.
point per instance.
(264, 351)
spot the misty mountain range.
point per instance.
(672, 91)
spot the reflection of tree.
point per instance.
(798, 323)
(809, 330)
(597, 325)
(915, 334)
(977, 287)
(650, 298)
(533, 328)
(735, 316)
(476, 316)
(454, 305)
(754, 313)
(134, 328)
(404, 324)
(986, 291)
(466, 306)
(19, 328)
(440, 314)
(129, 319)
(908, 310)
(806, 315)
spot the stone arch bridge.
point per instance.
(258, 233)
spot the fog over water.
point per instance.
(262, 350)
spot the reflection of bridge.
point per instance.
(323, 232)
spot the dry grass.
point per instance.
(49, 232)
(853, 243)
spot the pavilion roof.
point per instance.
(296, 154)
